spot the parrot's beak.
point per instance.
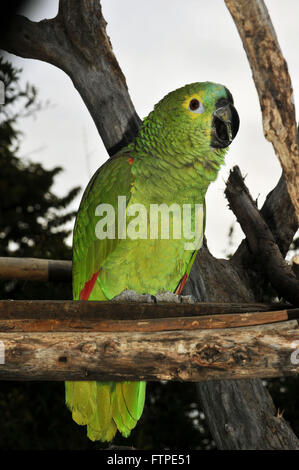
(225, 124)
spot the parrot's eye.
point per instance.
(196, 106)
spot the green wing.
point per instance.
(113, 179)
(103, 407)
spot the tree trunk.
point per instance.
(245, 418)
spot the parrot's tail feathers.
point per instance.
(106, 407)
(91, 405)
(134, 397)
(128, 405)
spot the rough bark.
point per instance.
(260, 239)
(144, 354)
(76, 41)
(279, 214)
(247, 417)
(273, 84)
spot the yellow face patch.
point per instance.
(186, 102)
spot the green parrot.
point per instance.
(166, 170)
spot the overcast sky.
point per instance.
(162, 45)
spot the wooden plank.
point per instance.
(76, 310)
(146, 325)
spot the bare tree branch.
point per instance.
(273, 84)
(279, 214)
(260, 239)
(76, 42)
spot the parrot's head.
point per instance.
(193, 125)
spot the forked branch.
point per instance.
(260, 239)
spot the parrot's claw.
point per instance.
(170, 297)
(161, 297)
(187, 299)
(132, 296)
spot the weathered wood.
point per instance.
(262, 426)
(95, 310)
(35, 269)
(279, 214)
(96, 323)
(260, 238)
(193, 355)
(273, 84)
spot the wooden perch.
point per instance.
(35, 269)
(260, 238)
(68, 311)
(48, 343)
(273, 84)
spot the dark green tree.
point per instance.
(32, 224)
(32, 217)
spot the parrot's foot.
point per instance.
(170, 297)
(132, 296)
(162, 297)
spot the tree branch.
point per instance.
(260, 239)
(279, 214)
(273, 84)
(76, 42)
(34, 40)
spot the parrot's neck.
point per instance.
(174, 172)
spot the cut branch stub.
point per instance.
(35, 269)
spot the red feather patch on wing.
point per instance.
(181, 284)
(88, 286)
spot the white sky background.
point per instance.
(162, 45)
